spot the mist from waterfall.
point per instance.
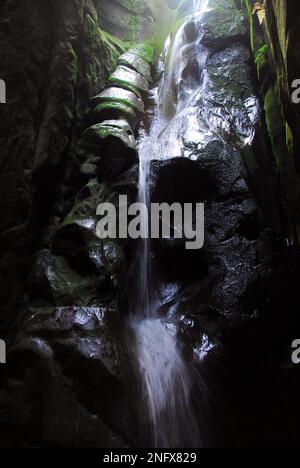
(166, 380)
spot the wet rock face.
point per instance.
(223, 25)
(64, 355)
(219, 155)
(58, 346)
(62, 154)
(53, 59)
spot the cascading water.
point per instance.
(165, 379)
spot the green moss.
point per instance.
(115, 45)
(73, 65)
(257, 39)
(131, 4)
(289, 138)
(145, 51)
(117, 100)
(125, 85)
(94, 31)
(112, 41)
(133, 27)
(116, 107)
(282, 144)
(261, 59)
(280, 134)
(274, 122)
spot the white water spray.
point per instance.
(165, 378)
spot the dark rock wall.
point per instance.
(275, 44)
(59, 284)
(53, 60)
(60, 287)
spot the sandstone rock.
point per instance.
(145, 52)
(115, 111)
(114, 144)
(129, 79)
(224, 24)
(121, 96)
(132, 60)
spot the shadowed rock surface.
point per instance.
(77, 89)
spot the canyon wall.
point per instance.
(59, 286)
(61, 289)
(274, 44)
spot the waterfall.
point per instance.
(166, 380)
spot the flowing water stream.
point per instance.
(166, 380)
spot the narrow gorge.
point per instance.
(130, 342)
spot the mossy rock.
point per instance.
(129, 79)
(131, 60)
(115, 145)
(54, 281)
(122, 96)
(115, 111)
(145, 52)
(223, 24)
(95, 141)
(97, 134)
(118, 123)
(86, 201)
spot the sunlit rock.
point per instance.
(131, 60)
(129, 79)
(144, 51)
(223, 24)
